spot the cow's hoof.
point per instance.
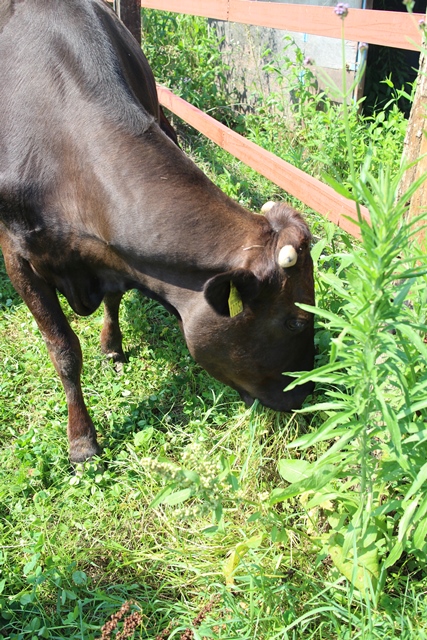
(116, 355)
(83, 449)
(118, 359)
(118, 367)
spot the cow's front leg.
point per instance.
(64, 350)
(111, 336)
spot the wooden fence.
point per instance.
(389, 28)
(393, 29)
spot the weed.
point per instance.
(130, 623)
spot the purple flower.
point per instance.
(308, 61)
(422, 23)
(341, 9)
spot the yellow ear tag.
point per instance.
(235, 303)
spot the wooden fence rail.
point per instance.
(388, 28)
(376, 27)
(312, 192)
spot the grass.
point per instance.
(99, 526)
(75, 546)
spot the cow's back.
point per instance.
(64, 62)
(73, 86)
(58, 44)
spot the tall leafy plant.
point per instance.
(370, 479)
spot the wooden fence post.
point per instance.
(415, 146)
(129, 12)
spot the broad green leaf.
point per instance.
(278, 495)
(161, 496)
(394, 555)
(317, 375)
(27, 598)
(406, 519)
(324, 406)
(372, 205)
(349, 432)
(193, 476)
(402, 292)
(236, 554)
(420, 386)
(295, 470)
(345, 259)
(178, 497)
(391, 423)
(210, 530)
(362, 571)
(328, 315)
(79, 578)
(337, 186)
(336, 283)
(408, 411)
(325, 432)
(317, 249)
(386, 507)
(323, 500)
(31, 564)
(419, 438)
(315, 482)
(414, 337)
(143, 437)
(422, 509)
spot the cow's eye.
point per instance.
(295, 324)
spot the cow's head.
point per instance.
(248, 331)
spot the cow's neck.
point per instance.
(168, 221)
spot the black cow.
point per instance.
(95, 199)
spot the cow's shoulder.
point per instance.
(66, 51)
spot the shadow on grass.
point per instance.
(173, 391)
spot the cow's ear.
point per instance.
(228, 292)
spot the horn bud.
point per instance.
(267, 206)
(287, 256)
